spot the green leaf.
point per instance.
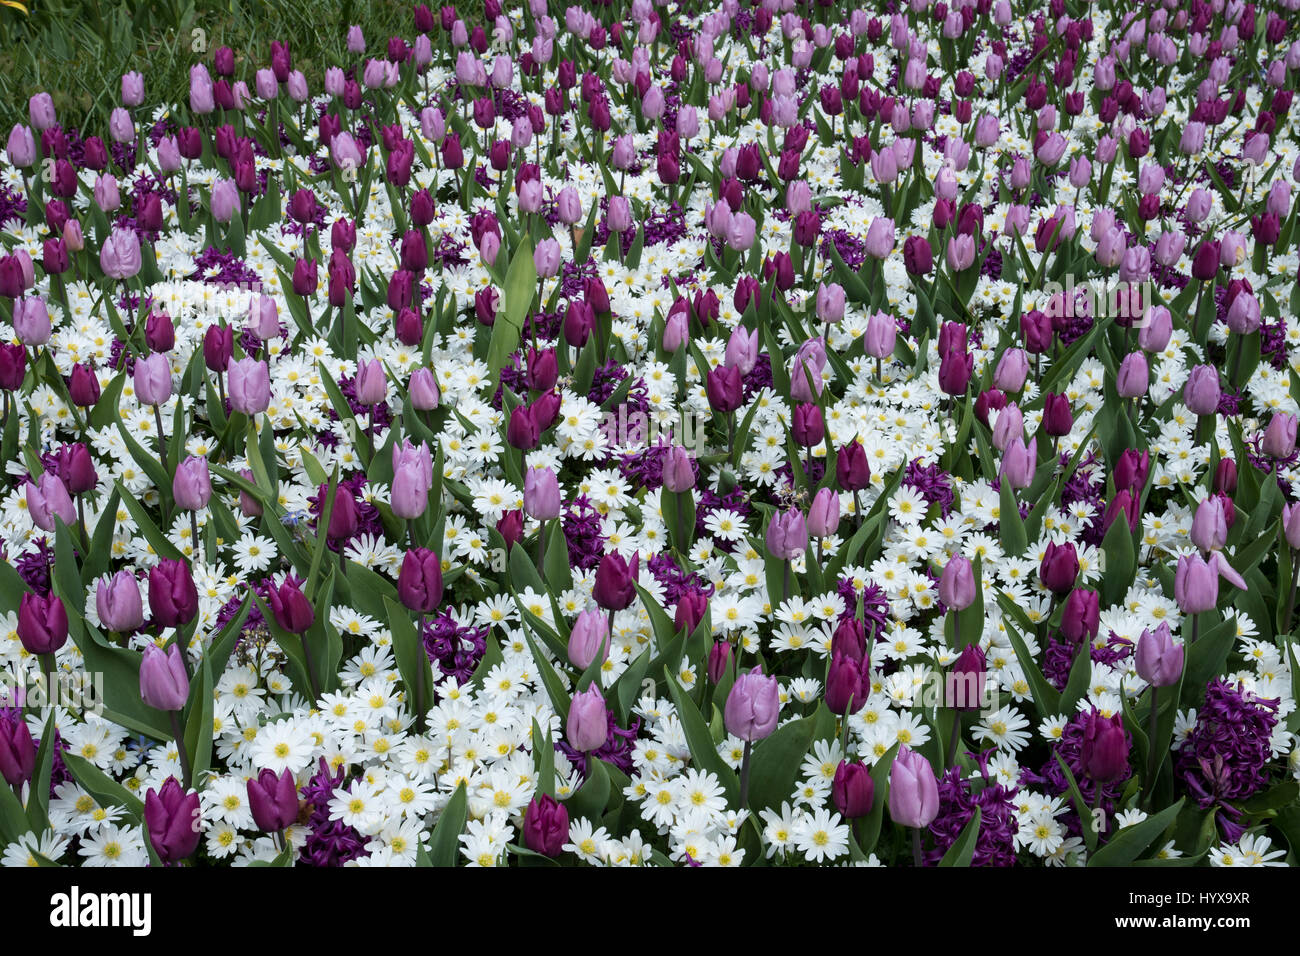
(521, 280)
(1130, 842)
(963, 848)
(703, 751)
(774, 764)
(591, 798)
(444, 842)
(1015, 541)
(103, 787)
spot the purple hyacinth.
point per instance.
(995, 845)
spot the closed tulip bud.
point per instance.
(676, 331)
(1059, 568)
(725, 389)
(31, 321)
(719, 661)
(250, 386)
(17, 751)
(852, 472)
(118, 603)
(918, 257)
(1131, 470)
(753, 706)
(1279, 437)
(173, 599)
(1159, 661)
(880, 336)
(76, 468)
(273, 800)
(615, 585)
(546, 825)
(153, 379)
(742, 350)
(192, 485)
(371, 383)
(1196, 585)
(913, 790)
(1058, 420)
(678, 471)
(541, 494)
(42, 623)
(1134, 376)
(218, 347)
(787, 534)
(957, 584)
(164, 684)
(1105, 750)
(1201, 394)
(964, 682)
(172, 817)
(587, 726)
(824, 514)
(83, 386)
(293, 612)
(1080, 617)
(521, 430)
(412, 480)
(419, 583)
(1225, 476)
(1019, 462)
(1011, 371)
(807, 425)
(589, 640)
(1291, 524)
(1210, 525)
(47, 500)
(830, 302)
(848, 684)
(249, 506)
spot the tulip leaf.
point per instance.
(521, 282)
(101, 786)
(1014, 538)
(39, 787)
(1206, 657)
(408, 650)
(591, 798)
(1086, 819)
(627, 688)
(445, 840)
(100, 552)
(13, 819)
(559, 574)
(1047, 699)
(1076, 685)
(144, 524)
(703, 752)
(774, 764)
(543, 759)
(550, 680)
(963, 848)
(149, 463)
(199, 726)
(871, 823)
(1127, 844)
(490, 659)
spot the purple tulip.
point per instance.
(913, 790)
(164, 685)
(118, 602)
(42, 623)
(192, 484)
(412, 479)
(587, 726)
(753, 706)
(250, 386)
(172, 817)
(546, 825)
(588, 640)
(292, 611)
(1105, 750)
(1158, 660)
(17, 751)
(419, 583)
(173, 599)
(957, 586)
(787, 534)
(273, 800)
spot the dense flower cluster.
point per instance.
(642, 434)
